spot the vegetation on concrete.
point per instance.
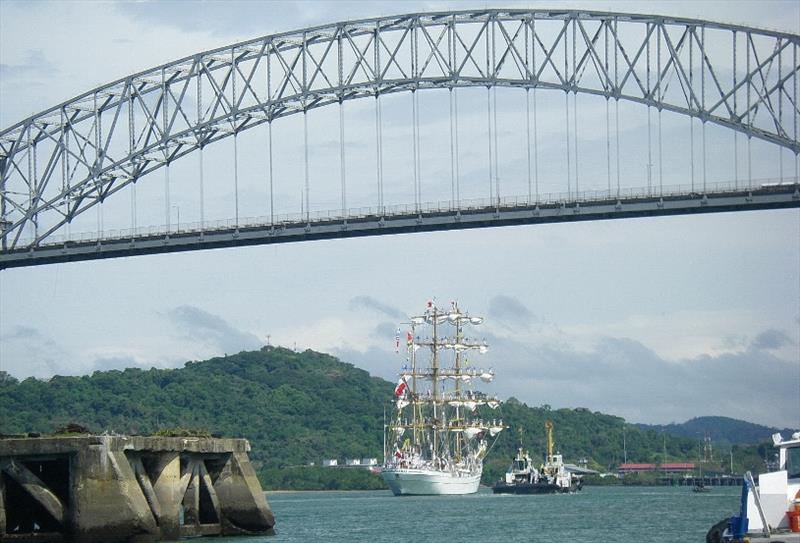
(182, 432)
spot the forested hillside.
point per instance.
(721, 430)
(298, 408)
(293, 407)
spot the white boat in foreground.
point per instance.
(437, 438)
(770, 509)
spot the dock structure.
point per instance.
(705, 480)
(110, 489)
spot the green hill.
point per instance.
(721, 430)
(294, 407)
(298, 408)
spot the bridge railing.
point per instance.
(405, 210)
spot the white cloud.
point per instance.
(28, 352)
(623, 377)
(368, 302)
(88, 44)
(681, 334)
(598, 369)
(331, 333)
(211, 330)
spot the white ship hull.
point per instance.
(416, 482)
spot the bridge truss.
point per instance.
(68, 159)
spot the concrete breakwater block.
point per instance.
(110, 489)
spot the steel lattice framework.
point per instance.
(61, 162)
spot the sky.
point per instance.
(655, 320)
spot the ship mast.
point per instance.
(385, 457)
(416, 413)
(435, 382)
(458, 383)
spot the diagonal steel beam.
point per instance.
(81, 134)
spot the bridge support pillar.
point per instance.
(115, 489)
(166, 487)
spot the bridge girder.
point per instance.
(72, 157)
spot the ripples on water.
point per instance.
(595, 515)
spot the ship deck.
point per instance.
(787, 537)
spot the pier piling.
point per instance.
(115, 489)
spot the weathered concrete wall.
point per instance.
(244, 506)
(110, 489)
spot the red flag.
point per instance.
(409, 338)
(400, 389)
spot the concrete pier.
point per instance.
(110, 489)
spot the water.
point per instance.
(597, 514)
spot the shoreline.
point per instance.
(324, 490)
(285, 491)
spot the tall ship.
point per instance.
(441, 427)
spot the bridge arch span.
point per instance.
(67, 159)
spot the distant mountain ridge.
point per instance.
(723, 430)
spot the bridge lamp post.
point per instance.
(4, 224)
(178, 224)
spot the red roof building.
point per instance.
(669, 467)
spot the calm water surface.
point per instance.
(597, 514)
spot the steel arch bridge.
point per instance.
(70, 158)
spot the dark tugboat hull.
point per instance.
(530, 488)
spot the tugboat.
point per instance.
(700, 484)
(437, 436)
(770, 509)
(551, 478)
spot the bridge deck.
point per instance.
(424, 220)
